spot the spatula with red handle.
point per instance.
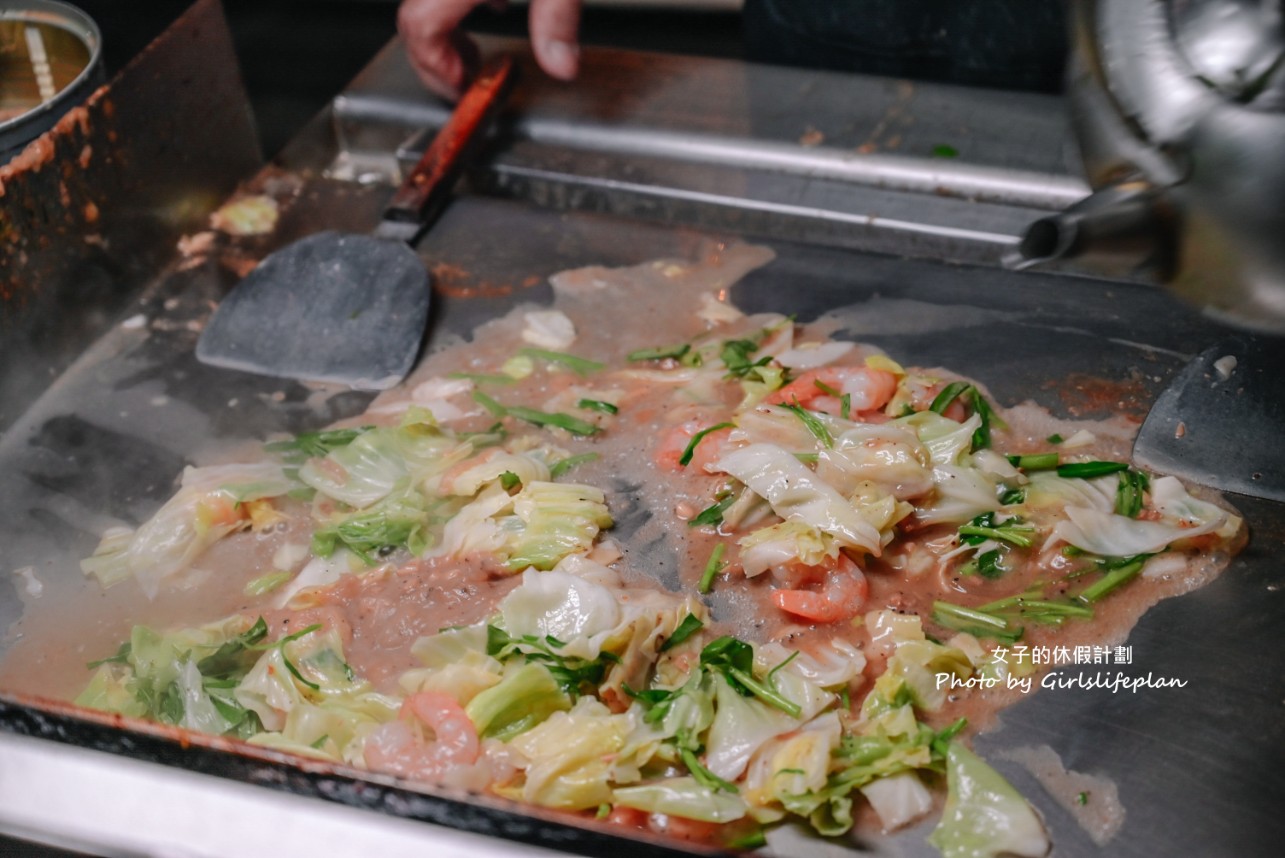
(352, 309)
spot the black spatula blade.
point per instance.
(1221, 422)
(349, 309)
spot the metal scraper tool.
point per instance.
(1221, 422)
(352, 309)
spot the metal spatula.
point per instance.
(1221, 421)
(352, 308)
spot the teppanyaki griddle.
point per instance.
(109, 438)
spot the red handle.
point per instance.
(425, 191)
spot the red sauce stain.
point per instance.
(455, 282)
(1087, 394)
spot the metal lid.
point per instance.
(51, 57)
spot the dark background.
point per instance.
(296, 55)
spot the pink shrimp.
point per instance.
(867, 388)
(841, 594)
(393, 748)
(675, 441)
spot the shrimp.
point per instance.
(393, 748)
(867, 388)
(841, 595)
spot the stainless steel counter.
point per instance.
(889, 205)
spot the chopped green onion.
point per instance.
(509, 481)
(1034, 461)
(578, 365)
(289, 665)
(1012, 497)
(690, 449)
(975, 621)
(121, 656)
(948, 394)
(483, 377)
(1130, 493)
(754, 839)
(495, 408)
(713, 514)
(1120, 571)
(604, 810)
(807, 458)
(982, 408)
(988, 565)
(825, 388)
(659, 354)
(845, 406)
(712, 568)
(982, 437)
(704, 776)
(815, 426)
(735, 660)
(1019, 535)
(1082, 799)
(735, 355)
(942, 740)
(983, 527)
(266, 583)
(1089, 470)
(771, 674)
(315, 444)
(563, 465)
(294, 637)
(597, 405)
(1055, 438)
(688, 627)
(574, 425)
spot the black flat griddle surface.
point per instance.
(1200, 769)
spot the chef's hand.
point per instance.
(446, 58)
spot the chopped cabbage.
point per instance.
(898, 799)
(379, 461)
(984, 816)
(335, 728)
(455, 663)
(549, 329)
(570, 756)
(946, 441)
(526, 467)
(557, 519)
(526, 696)
(1103, 532)
(887, 455)
(185, 677)
(796, 493)
(307, 669)
(683, 797)
(963, 493)
(208, 506)
(575, 611)
(743, 724)
(787, 542)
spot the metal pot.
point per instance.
(1179, 107)
(50, 60)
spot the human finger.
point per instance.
(441, 54)
(555, 28)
